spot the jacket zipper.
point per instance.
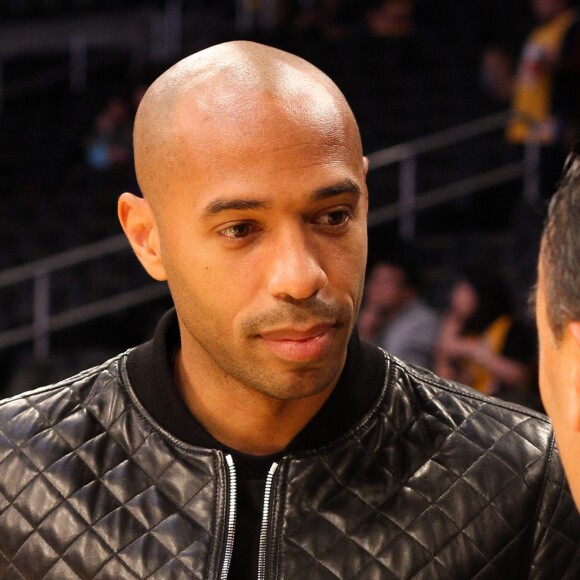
(231, 530)
(265, 521)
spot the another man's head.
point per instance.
(254, 211)
(558, 320)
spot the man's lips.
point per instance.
(299, 344)
(296, 333)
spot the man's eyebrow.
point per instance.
(220, 205)
(346, 186)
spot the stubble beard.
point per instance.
(248, 367)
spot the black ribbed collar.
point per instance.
(150, 369)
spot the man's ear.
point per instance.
(574, 388)
(365, 193)
(140, 227)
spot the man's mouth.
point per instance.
(297, 332)
(299, 344)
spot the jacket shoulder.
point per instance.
(27, 415)
(83, 472)
(453, 399)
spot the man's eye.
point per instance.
(237, 231)
(335, 218)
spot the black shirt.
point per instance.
(150, 369)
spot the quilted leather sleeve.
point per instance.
(556, 545)
(441, 483)
(90, 489)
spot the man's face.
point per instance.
(464, 300)
(263, 240)
(558, 368)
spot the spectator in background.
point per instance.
(498, 73)
(545, 88)
(391, 18)
(330, 20)
(394, 316)
(482, 344)
(110, 143)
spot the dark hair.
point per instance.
(493, 295)
(560, 250)
(403, 258)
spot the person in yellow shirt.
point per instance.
(546, 88)
(482, 343)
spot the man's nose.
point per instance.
(295, 271)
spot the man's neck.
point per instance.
(240, 417)
(150, 369)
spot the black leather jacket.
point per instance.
(435, 482)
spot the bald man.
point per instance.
(256, 436)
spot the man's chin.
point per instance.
(301, 379)
(295, 389)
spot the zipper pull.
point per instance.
(265, 522)
(231, 527)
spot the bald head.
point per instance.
(232, 91)
(255, 214)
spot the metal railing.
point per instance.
(44, 323)
(145, 34)
(410, 201)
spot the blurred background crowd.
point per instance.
(447, 290)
